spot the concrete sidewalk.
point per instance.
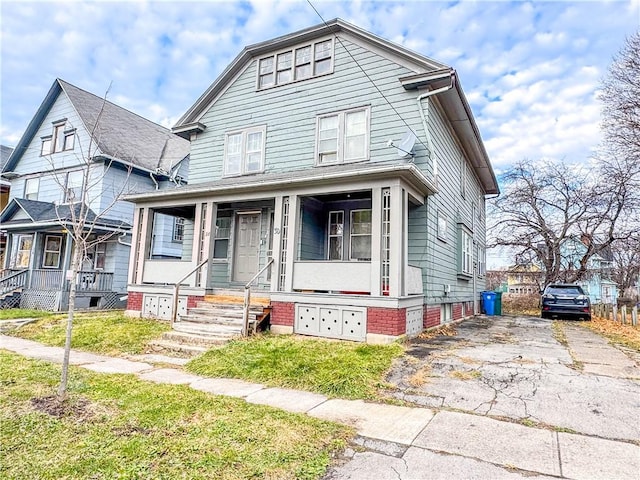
(399, 442)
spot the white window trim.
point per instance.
(49, 139)
(67, 188)
(463, 177)
(35, 181)
(216, 238)
(100, 249)
(482, 261)
(45, 251)
(245, 132)
(466, 253)
(330, 236)
(341, 136)
(274, 57)
(351, 234)
(178, 225)
(19, 250)
(442, 226)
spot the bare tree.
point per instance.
(545, 203)
(626, 263)
(85, 227)
(621, 99)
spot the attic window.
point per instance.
(300, 63)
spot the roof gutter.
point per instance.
(424, 115)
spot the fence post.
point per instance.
(623, 311)
(615, 313)
(634, 316)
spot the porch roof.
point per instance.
(46, 214)
(275, 182)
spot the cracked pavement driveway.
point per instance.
(515, 368)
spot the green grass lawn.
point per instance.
(117, 426)
(109, 333)
(12, 313)
(337, 369)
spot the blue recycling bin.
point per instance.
(489, 302)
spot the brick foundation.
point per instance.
(134, 301)
(282, 313)
(457, 311)
(431, 316)
(387, 321)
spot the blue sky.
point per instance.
(530, 70)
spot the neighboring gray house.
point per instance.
(302, 151)
(72, 131)
(5, 186)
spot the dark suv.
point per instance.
(565, 300)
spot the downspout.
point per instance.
(425, 126)
(153, 179)
(425, 121)
(122, 242)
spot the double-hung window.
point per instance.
(465, 251)
(23, 254)
(343, 137)
(360, 235)
(31, 187)
(73, 190)
(221, 238)
(336, 235)
(300, 63)
(52, 249)
(244, 151)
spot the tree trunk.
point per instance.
(62, 388)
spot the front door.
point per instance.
(247, 247)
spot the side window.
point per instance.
(360, 235)
(336, 235)
(465, 251)
(221, 238)
(31, 187)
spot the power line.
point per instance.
(370, 79)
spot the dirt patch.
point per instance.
(78, 409)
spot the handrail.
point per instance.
(247, 298)
(176, 290)
(6, 285)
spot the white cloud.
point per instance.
(530, 69)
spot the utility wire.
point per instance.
(370, 79)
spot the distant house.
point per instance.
(597, 283)
(524, 279)
(5, 186)
(352, 164)
(45, 171)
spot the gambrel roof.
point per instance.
(120, 135)
(429, 75)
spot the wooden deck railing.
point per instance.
(13, 280)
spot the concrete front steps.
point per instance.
(212, 322)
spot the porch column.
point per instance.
(140, 243)
(209, 233)
(292, 240)
(277, 243)
(397, 242)
(196, 246)
(8, 247)
(35, 245)
(66, 261)
(376, 241)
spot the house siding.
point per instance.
(289, 112)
